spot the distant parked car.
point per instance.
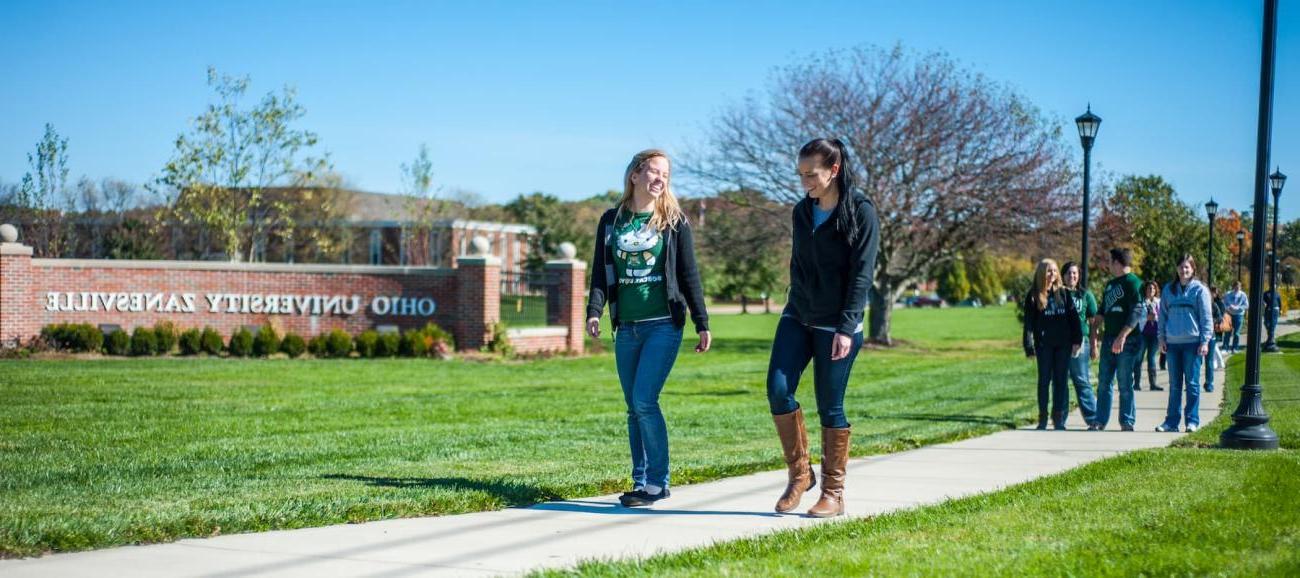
(926, 301)
(972, 302)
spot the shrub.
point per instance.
(117, 343)
(500, 342)
(293, 346)
(415, 343)
(143, 342)
(266, 342)
(191, 342)
(390, 344)
(165, 333)
(318, 346)
(78, 337)
(338, 343)
(241, 343)
(367, 342)
(210, 343)
(438, 335)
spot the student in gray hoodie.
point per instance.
(1186, 328)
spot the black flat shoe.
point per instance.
(1157, 388)
(640, 498)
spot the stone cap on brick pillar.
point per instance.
(480, 253)
(567, 258)
(9, 244)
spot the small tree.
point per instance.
(220, 172)
(44, 195)
(954, 287)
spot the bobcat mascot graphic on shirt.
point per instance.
(635, 249)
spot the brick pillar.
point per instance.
(566, 300)
(478, 287)
(18, 315)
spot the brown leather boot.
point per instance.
(794, 443)
(835, 458)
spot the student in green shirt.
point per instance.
(1122, 311)
(644, 269)
(1080, 364)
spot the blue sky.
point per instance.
(514, 97)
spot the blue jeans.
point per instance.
(1184, 373)
(1235, 343)
(644, 353)
(1270, 321)
(1080, 366)
(1149, 349)
(1209, 365)
(794, 346)
(1110, 367)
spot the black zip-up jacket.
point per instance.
(1056, 326)
(829, 278)
(681, 276)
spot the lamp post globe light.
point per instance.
(1249, 430)
(1276, 181)
(1088, 124)
(1212, 211)
(1241, 237)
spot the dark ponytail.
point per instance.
(833, 152)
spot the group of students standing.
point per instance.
(644, 270)
(1136, 321)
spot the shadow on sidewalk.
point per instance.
(513, 494)
(981, 419)
(592, 507)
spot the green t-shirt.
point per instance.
(1086, 305)
(642, 293)
(1122, 295)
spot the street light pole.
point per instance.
(1241, 236)
(1249, 428)
(1088, 124)
(1211, 209)
(1276, 181)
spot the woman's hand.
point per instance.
(1074, 350)
(593, 327)
(706, 340)
(1204, 350)
(1163, 347)
(840, 346)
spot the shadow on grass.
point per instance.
(980, 419)
(592, 507)
(512, 493)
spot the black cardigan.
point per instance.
(681, 276)
(829, 277)
(1057, 327)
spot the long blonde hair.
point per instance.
(1041, 287)
(667, 212)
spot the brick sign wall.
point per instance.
(304, 299)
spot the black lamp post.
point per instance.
(1249, 428)
(1241, 236)
(1276, 181)
(1088, 124)
(1212, 210)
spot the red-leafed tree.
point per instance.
(950, 158)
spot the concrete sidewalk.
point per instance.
(558, 534)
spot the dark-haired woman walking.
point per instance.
(835, 240)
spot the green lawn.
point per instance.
(523, 310)
(115, 451)
(1169, 512)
